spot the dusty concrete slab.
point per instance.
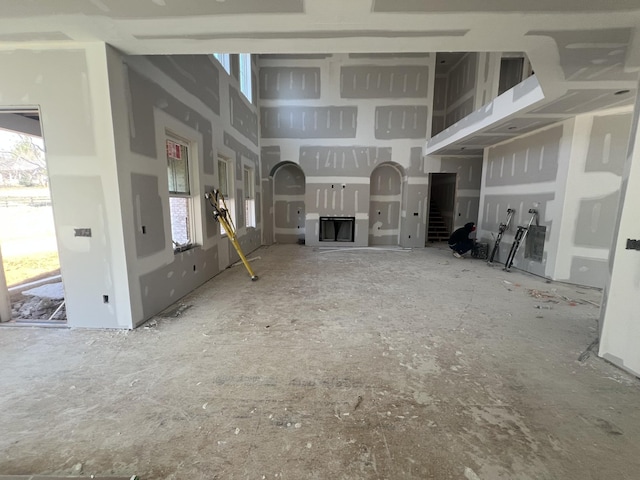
(335, 364)
(53, 291)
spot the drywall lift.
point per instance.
(221, 214)
(501, 229)
(521, 234)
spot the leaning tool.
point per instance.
(221, 214)
(501, 229)
(521, 234)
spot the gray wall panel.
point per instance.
(289, 83)
(308, 122)
(531, 159)
(384, 82)
(243, 118)
(238, 147)
(608, 144)
(495, 210)
(346, 161)
(596, 221)
(145, 96)
(270, 158)
(148, 214)
(158, 293)
(462, 78)
(401, 122)
(197, 74)
(289, 180)
(469, 170)
(589, 271)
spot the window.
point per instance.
(225, 60)
(249, 198)
(180, 200)
(225, 184)
(245, 75)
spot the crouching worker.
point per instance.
(459, 240)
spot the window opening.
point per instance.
(180, 200)
(225, 60)
(249, 198)
(225, 186)
(245, 75)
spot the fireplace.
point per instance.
(337, 229)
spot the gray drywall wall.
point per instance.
(308, 122)
(159, 101)
(243, 115)
(368, 110)
(194, 74)
(608, 143)
(289, 207)
(145, 95)
(167, 284)
(90, 296)
(394, 122)
(342, 161)
(588, 271)
(384, 205)
(70, 89)
(372, 81)
(595, 222)
(149, 220)
(289, 83)
(532, 159)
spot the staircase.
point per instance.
(438, 231)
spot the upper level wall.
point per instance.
(193, 97)
(339, 116)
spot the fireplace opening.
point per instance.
(337, 229)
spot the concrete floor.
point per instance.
(351, 364)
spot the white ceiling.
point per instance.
(578, 48)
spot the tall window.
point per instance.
(180, 201)
(249, 198)
(245, 75)
(225, 60)
(225, 184)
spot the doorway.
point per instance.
(30, 262)
(442, 203)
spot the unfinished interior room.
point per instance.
(224, 235)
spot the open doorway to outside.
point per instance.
(28, 244)
(442, 204)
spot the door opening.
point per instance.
(30, 262)
(442, 204)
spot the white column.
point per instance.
(620, 316)
(5, 302)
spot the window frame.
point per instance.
(249, 193)
(228, 197)
(224, 59)
(245, 75)
(187, 149)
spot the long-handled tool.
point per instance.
(521, 234)
(501, 229)
(221, 214)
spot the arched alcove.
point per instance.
(385, 204)
(288, 203)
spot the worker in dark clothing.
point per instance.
(459, 240)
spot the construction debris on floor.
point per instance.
(358, 364)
